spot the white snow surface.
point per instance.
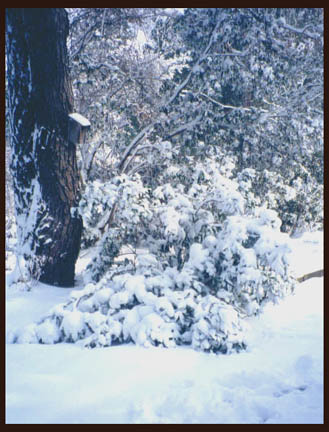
(278, 379)
(80, 119)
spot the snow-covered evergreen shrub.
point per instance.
(126, 193)
(251, 258)
(108, 249)
(218, 329)
(123, 200)
(209, 263)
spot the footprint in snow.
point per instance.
(289, 390)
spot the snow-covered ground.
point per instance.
(279, 379)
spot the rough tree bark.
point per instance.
(44, 167)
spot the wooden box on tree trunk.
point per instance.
(78, 127)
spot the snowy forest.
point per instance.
(164, 190)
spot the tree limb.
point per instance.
(318, 273)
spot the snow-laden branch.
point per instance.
(148, 128)
(103, 20)
(88, 156)
(187, 126)
(314, 97)
(200, 60)
(138, 167)
(128, 161)
(223, 105)
(315, 110)
(273, 104)
(84, 40)
(134, 143)
(240, 108)
(282, 22)
(234, 53)
(294, 103)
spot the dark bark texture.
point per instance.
(44, 167)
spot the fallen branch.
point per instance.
(318, 273)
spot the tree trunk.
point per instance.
(44, 167)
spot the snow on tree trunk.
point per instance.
(44, 166)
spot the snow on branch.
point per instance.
(187, 126)
(231, 106)
(302, 31)
(234, 53)
(201, 58)
(134, 143)
(148, 128)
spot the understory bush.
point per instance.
(210, 262)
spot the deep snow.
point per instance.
(279, 379)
